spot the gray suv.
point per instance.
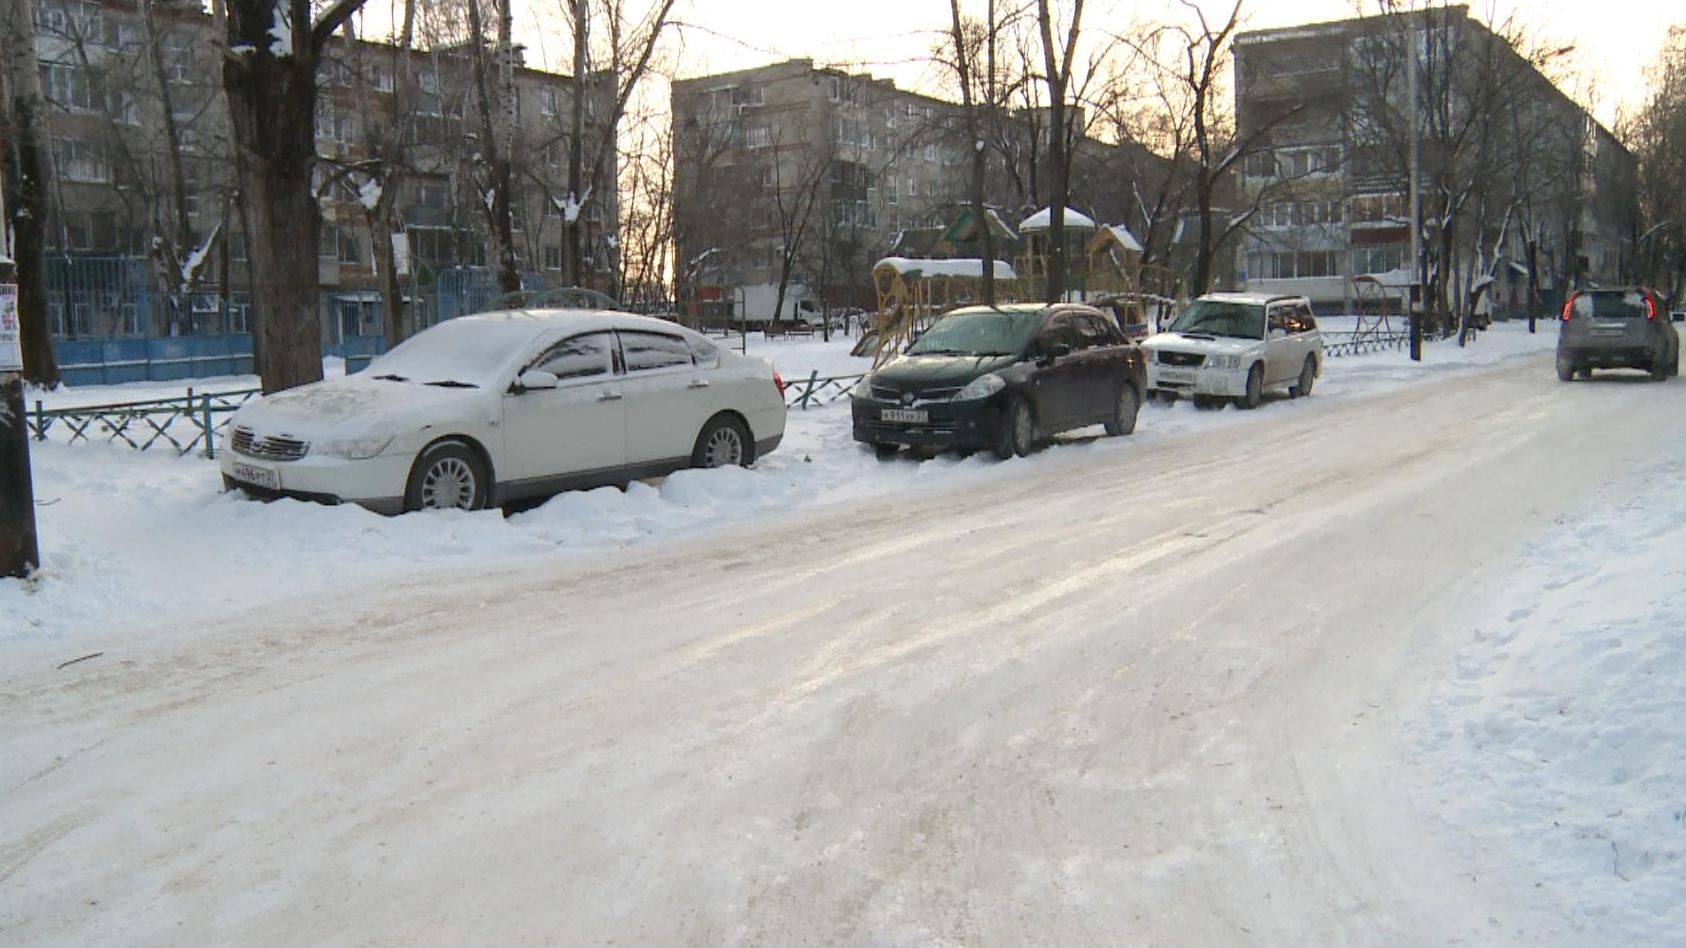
(1617, 329)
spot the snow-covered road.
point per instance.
(1120, 696)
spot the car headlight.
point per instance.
(360, 448)
(981, 387)
(1224, 361)
(863, 388)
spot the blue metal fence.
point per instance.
(104, 361)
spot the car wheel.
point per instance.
(1308, 377)
(1565, 371)
(1124, 412)
(1255, 388)
(1659, 370)
(447, 476)
(723, 442)
(885, 451)
(1018, 433)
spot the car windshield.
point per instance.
(457, 353)
(1221, 318)
(979, 333)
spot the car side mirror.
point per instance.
(535, 380)
(1058, 350)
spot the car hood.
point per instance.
(1219, 345)
(350, 406)
(912, 372)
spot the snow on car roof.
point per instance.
(1259, 298)
(583, 319)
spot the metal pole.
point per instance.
(1417, 301)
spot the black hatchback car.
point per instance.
(1002, 378)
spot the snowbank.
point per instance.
(1556, 740)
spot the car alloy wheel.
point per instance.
(448, 476)
(1308, 376)
(1124, 411)
(724, 442)
(1255, 388)
(1565, 371)
(1023, 428)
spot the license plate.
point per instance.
(257, 476)
(906, 416)
(1170, 376)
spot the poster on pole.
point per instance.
(11, 335)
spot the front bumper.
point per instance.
(377, 483)
(1197, 380)
(969, 425)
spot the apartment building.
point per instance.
(146, 237)
(1515, 177)
(834, 163)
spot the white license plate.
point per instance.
(1184, 378)
(257, 476)
(905, 416)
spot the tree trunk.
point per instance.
(494, 146)
(581, 10)
(28, 181)
(271, 105)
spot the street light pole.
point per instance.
(1417, 301)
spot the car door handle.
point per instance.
(698, 383)
(609, 397)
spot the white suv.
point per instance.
(1236, 346)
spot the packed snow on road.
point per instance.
(1398, 662)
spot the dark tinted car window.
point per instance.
(1300, 319)
(1611, 304)
(705, 352)
(1092, 331)
(579, 357)
(645, 351)
(1059, 330)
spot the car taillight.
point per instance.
(1650, 306)
(778, 380)
(1569, 306)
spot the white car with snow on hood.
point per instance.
(486, 409)
(1236, 346)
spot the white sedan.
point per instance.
(486, 409)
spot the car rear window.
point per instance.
(1611, 304)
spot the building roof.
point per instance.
(1121, 235)
(1044, 219)
(970, 267)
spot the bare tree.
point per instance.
(969, 41)
(1058, 61)
(1657, 130)
(28, 180)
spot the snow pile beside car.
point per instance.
(1559, 740)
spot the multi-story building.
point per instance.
(146, 236)
(831, 163)
(1514, 177)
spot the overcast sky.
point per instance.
(892, 38)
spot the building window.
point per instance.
(550, 105)
(382, 76)
(759, 136)
(70, 88)
(553, 256)
(349, 253)
(890, 196)
(80, 162)
(432, 194)
(428, 101)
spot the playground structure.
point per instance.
(912, 293)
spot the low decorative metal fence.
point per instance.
(1337, 344)
(815, 391)
(193, 421)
